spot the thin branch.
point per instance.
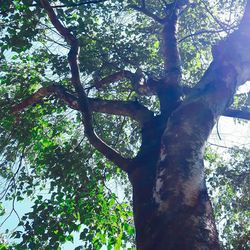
(13, 178)
(220, 146)
(120, 75)
(51, 29)
(13, 201)
(62, 5)
(78, 4)
(141, 83)
(204, 31)
(220, 23)
(147, 13)
(100, 145)
(184, 9)
(120, 131)
(10, 213)
(217, 130)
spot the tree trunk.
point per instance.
(177, 225)
(172, 209)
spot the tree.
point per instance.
(124, 74)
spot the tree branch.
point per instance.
(120, 75)
(62, 5)
(43, 92)
(171, 53)
(170, 92)
(204, 31)
(78, 4)
(231, 60)
(220, 23)
(142, 84)
(131, 109)
(147, 13)
(100, 145)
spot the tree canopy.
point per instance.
(79, 81)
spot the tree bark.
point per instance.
(172, 209)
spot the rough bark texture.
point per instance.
(171, 204)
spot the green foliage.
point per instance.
(44, 154)
(229, 183)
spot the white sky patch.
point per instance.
(245, 88)
(230, 132)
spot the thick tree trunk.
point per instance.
(172, 209)
(178, 226)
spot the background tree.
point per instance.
(96, 91)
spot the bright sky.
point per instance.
(230, 132)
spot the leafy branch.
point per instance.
(100, 145)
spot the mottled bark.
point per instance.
(171, 204)
(183, 206)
